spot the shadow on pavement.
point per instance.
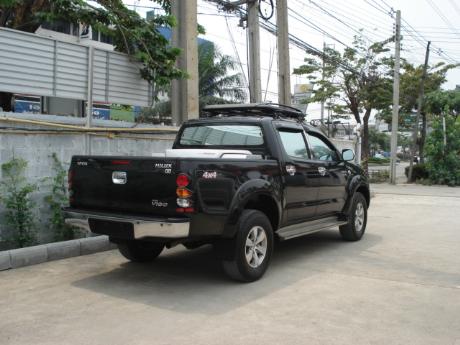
(193, 281)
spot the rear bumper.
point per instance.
(128, 227)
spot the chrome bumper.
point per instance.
(167, 228)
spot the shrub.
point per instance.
(419, 172)
(378, 176)
(443, 161)
(15, 195)
(378, 160)
(56, 200)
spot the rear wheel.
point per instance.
(251, 248)
(357, 220)
(140, 251)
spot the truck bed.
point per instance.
(148, 184)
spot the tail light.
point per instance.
(184, 195)
(182, 180)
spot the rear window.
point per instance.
(222, 135)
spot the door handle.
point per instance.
(322, 171)
(291, 170)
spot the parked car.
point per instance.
(238, 179)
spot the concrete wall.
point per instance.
(36, 148)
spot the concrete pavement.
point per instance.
(399, 285)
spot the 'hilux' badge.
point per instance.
(167, 167)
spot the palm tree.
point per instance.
(216, 85)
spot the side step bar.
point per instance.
(307, 228)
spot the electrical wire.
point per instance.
(371, 29)
(418, 37)
(440, 14)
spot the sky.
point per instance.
(336, 22)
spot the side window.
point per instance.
(294, 144)
(320, 150)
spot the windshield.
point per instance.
(222, 135)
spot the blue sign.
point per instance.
(27, 104)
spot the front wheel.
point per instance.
(357, 219)
(251, 248)
(140, 251)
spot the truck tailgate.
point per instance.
(137, 185)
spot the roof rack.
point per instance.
(254, 109)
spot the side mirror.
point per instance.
(348, 155)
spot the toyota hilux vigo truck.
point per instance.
(239, 178)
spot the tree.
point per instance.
(443, 151)
(217, 84)
(378, 141)
(404, 142)
(131, 34)
(356, 78)
(443, 103)
(410, 79)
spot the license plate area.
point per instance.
(115, 229)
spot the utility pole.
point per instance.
(89, 98)
(322, 78)
(255, 88)
(394, 121)
(184, 92)
(421, 93)
(284, 69)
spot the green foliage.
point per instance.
(419, 172)
(410, 78)
(216, 84)
(131, 34)
(355, 80)
(378, 140)
(373, 160)
(15, 196)
(56, 200)
(443, 161)
(439, 102)
(379, 176)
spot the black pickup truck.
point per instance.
(240, 178)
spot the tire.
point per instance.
(357, 220)
(252, 247)
(140, 251)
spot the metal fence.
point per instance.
(43, 66)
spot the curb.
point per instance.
(22, 257)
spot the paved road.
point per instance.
(399, 285)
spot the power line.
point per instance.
(440, 14)
(338, 19)
(417, 36)
(370, 28)
(363, 15)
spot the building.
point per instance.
(47, 73)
